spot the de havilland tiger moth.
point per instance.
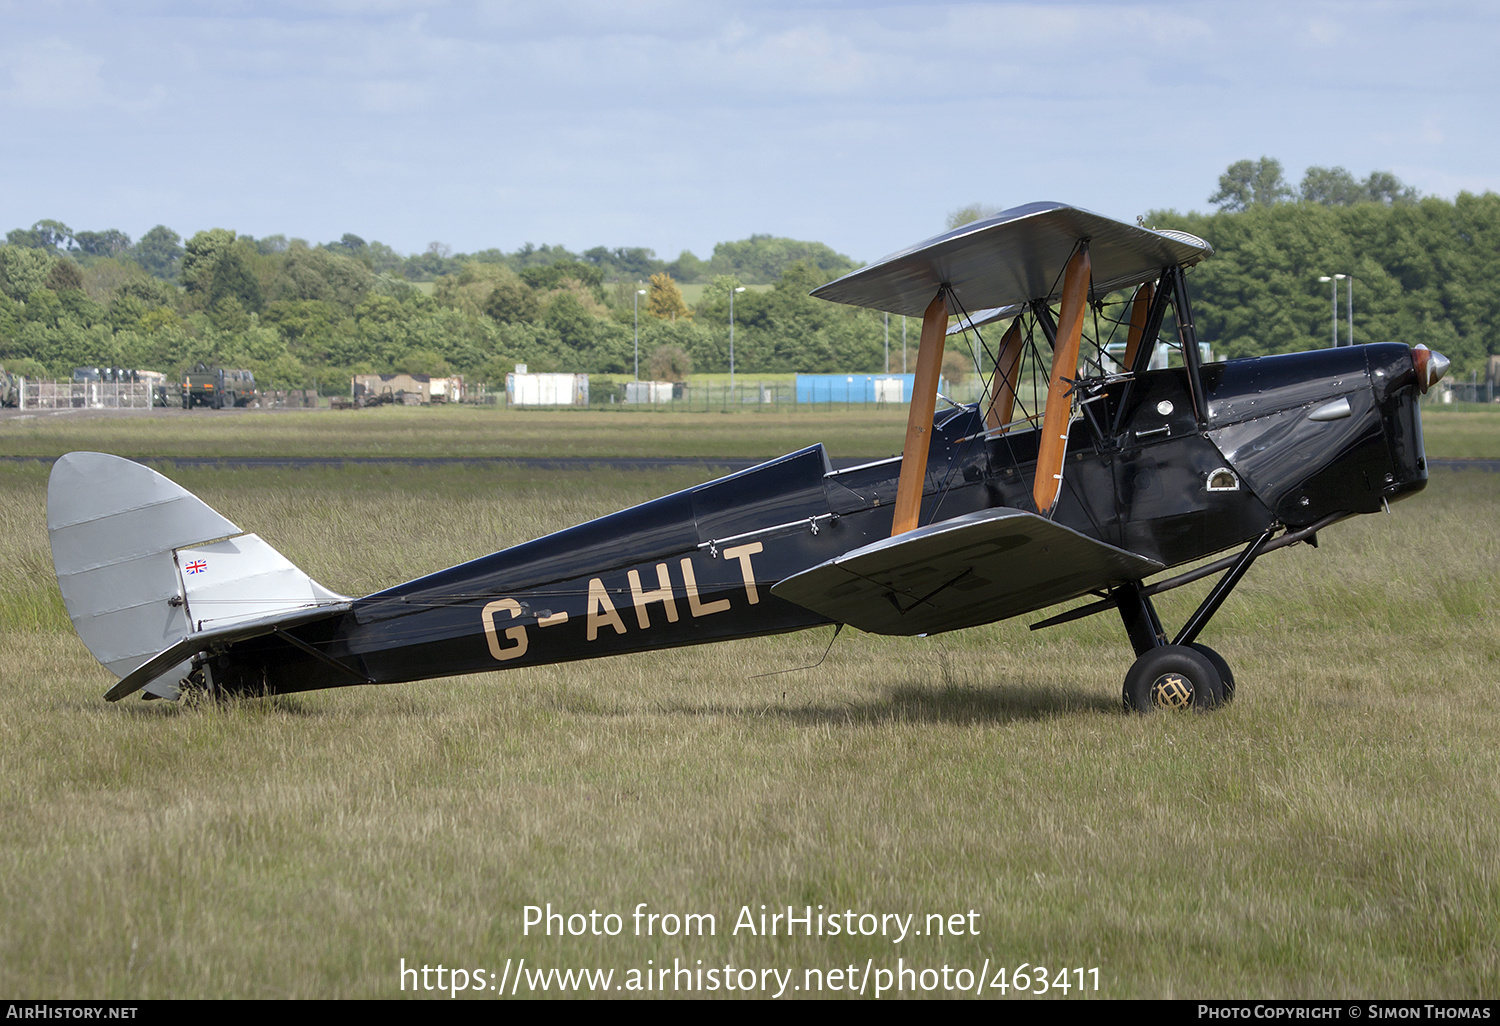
(1112, 467)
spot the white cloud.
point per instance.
(674, 124)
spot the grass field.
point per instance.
(455, 431)
(490, 431)
(1332, 833)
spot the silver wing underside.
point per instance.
(1015, 257)
(973, 569)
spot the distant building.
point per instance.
(653, 391)
(522, 389)
(427, 388)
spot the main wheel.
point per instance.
(1173, 677)
(1226, 675)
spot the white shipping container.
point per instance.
(547, 389)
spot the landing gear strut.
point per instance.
(1181, 674)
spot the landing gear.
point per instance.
(1173, 677)
(1178, 673)
(1182, 673)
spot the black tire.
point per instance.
(1173, 677)
(1226, 675)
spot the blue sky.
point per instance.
(676, 125)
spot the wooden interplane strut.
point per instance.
(1140, 312)
(1054, 443)
(919, 419)
(1007, 375)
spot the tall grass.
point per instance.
(848, 432)
(453, 431)
(1332, 833)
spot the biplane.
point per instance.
(1105, 454)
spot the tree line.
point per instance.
(296, 313)
(1423, 269)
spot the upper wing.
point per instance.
(970, 570)
(1015, 257)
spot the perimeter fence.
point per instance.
(80, 395)
(767, 396)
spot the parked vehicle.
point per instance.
(217, 387)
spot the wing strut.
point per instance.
(1140, 312)
(919, 418)
(1007, 371)
(1054, 444)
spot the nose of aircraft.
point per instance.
(1430, 366)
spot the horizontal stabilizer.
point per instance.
(973, 569)
(191, 645)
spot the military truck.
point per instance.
(217, 387)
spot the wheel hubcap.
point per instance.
(1172, 691)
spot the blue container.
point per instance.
(854, 388)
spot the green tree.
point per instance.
(308, 325)
(1332, 187)
(623, 262)
(109, 243)
(1384, 187)
(763, 259)
(573, 324)
(552, 276)
(471, 289)
(382, 259)
(159, 253)
(23, 270)
(320, 274)
(351, 245)
(1251, 183)
(201, 255)
(103, 276)
(230, 278)
(228, 314)
(512, 301)
(717, 291)
(686, 268)
(971, 213)
(150, 291)
(423, 361)
(53, 236)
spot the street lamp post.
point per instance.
(1336, 279)
(731, 340)
(1351, 307)
(638, 294)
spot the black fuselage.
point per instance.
(1288, 440)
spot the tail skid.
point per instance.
(146, 568)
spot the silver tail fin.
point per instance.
(144, 565)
